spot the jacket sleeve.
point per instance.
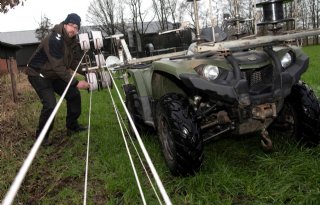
(55, 53)
(77, 55)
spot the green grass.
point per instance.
(234, 171)
(312, 75)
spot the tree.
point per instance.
(44, 28)
(103, 14)
(139, 26)
(180, 11)
(121, 18)
(138, 16)
(168, 10)
(161, 10)
(172, 7)
(5, 5)
(188, 9)
(314, 12)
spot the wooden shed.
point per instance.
(26, 40)
(6, 52)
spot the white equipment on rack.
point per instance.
(98, 76)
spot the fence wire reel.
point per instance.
(97, 76)
(99, 79)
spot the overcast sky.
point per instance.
(28, 17)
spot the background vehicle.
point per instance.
(241, 86)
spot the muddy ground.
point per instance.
(18, 123)
(11, 115)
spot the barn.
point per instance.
(25, 40)
(7, 51)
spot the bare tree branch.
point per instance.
(6, 5)
(44, 28)
(102, 13)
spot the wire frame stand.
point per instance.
(97, 76)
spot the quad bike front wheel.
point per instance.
(300, 116)
(182, 145)
(133, 105)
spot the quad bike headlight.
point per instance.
(286, 60)
(210, 72)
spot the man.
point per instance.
(48, 72)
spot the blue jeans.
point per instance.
(46, 89)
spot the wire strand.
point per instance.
(128, 150)
(145, 152)
(88, 148)
(15, 186)
(140, 159)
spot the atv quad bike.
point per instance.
(238, 87)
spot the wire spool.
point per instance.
(273, 12)
(99, 80)
(106, 79)
(92, 79)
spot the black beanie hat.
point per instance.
(73, 18)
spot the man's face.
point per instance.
(71, 29)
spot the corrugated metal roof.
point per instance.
(29, 36)
(19, 37)
(149, 28)
(8, 45)
(152, 27)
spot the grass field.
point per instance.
(235, 170)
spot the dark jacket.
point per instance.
(55, 55)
